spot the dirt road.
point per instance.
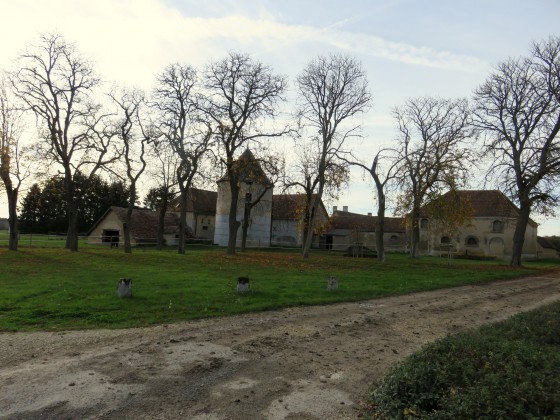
(299, 363)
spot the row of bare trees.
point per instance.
(512, 123)
(193, 117)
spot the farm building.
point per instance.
(288, 220)
(349, 230)
(108, 230)
(486, 231)
(546, 248)
(274, 220)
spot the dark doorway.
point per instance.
(110, 236)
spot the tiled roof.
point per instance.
(287, 206)
(546, 243)
(249, 169)
(354, 221)
(198, 201)
(144, 223)
(483, 203)
(202, 201)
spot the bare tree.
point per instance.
(432, 151)
(304, 176)
(518, 109)
(241, 92)
(183, 128)
(56, 83)
(382, 176)
(165, 171)
(332, 90)
(12, 169)
(131, 132)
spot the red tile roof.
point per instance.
(249, 169)
(144, 223)
(483, 203)
(198, 201)
(546, 243)
(365, 223)
(288, 206)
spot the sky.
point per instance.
(409, 48)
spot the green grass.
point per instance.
(53, 289)
(509, 370)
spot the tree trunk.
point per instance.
(233, 223)
(72, 209)
(72, 234)
(183, 221)
(12, 218)
(519, 234)
(161, 225)
(245, 227)
(128, 220)
(308, 240)
(126, 229)
(415, 237)
(380, 228)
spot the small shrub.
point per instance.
(510, 370)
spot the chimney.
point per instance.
(369, 214)
(334, 209)
(344, 208)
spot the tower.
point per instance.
(254, 200)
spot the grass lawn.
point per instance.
(53, 289)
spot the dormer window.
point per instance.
(497, 226)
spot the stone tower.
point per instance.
(253, 183)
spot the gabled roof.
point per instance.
(483, 203)
(345, 220)
(202, 201)
(546, 243)
(248, 170)
(288, 206)
(144, 223)
(198, 201)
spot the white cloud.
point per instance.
(132, 40)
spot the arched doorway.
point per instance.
(496, 247)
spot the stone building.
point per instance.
(488, 230)
(109, 229)
(349, 230)
(254, 202)
(287, 223)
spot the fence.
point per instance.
(32, 240)
(59, 241)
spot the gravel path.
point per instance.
(297, 363)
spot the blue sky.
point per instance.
(408, 47)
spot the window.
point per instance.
(445, 240)
(424, 223)
(204, 227)
(248, 197)
(472, 241)
(497, 226)
(394, 239)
